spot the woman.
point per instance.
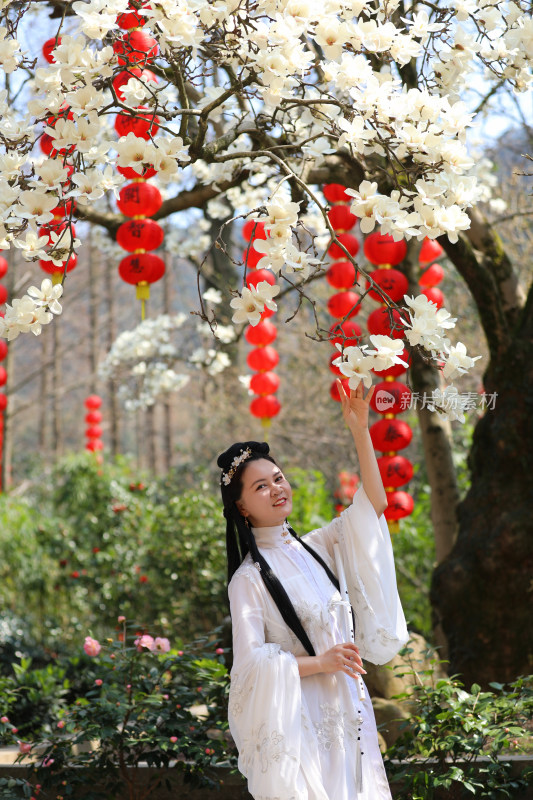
(294, 710)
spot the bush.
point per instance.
(141, 702)
(459, 740)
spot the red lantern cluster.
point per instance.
(3, 373)
(342, 276)
(263, 358)
(433, 274)
(391, 397)
(65, 207)
(348, 483)
(139, 199)
(93, 418)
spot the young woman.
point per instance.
(303, 726)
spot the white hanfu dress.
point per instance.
(297, 738)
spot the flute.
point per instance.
(348, 622)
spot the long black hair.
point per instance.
(240, 539)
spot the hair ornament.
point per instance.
(237, 461)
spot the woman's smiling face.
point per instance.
(266, 497)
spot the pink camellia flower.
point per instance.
(161, 645)
(121, 619)
(219, 651)
(173, 739)
(180, 652)
(98, 682)
(61, 723)
(24, 747)
(4, 719)
(145, 642)
(47, 762)
(91, 646)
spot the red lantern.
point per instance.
(93, 402)
(393, 283)
(141, 267)
(3, 349)
(351, 330)
(131, 19)
(3, 376)
(266, 406)
(123, 77)
(350, 243)
(253, 229)
(378, 322)
(259, 275)
(94, 444)
(400, 505)
(335, 193)
(251, 257)
(136, 47)
(380, 248)
(391, 397)
(3, 266)
(57, 227)
(93, 432)
(131, 175)
(334, 390)
(3, 401)
(432, 276)
(50, 45)
(51, 268)
(262, 359)
(341, 275)
(395, 470)
(3, 294)
(266, 313)
(396, 369)
(140, 234)
(264, 383)
(434, 295)
(64, 209)
(139, 199)
(261, 334)
(93, 417)
(344, 303)
(390, 434)
(141, 125)
(333, 368)
(341, 218)
(430, 251)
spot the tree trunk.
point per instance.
(481, 593)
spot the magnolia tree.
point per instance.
(259, 104)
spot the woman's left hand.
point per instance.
(355, 407)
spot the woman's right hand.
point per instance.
(342, 658)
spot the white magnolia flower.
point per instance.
(248, 307)
(457, 362)
(356, 365)
(36, 205)
(48, 295)
(32, 246)
(449, 403)
(265, 294)
(387, 352)
(212, 295)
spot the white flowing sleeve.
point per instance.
(368, 560)
(265, 698)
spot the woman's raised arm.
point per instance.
(355, 412)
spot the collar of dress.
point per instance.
(274, 536)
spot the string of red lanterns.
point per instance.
(391, 397)
(432, 275)
(139, 199)
(263, 358)
(93, 418)
(65, 207)
(341, 276)
(3, 372)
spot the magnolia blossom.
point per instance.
(356, 365)
(457, 362)
(449, 403)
